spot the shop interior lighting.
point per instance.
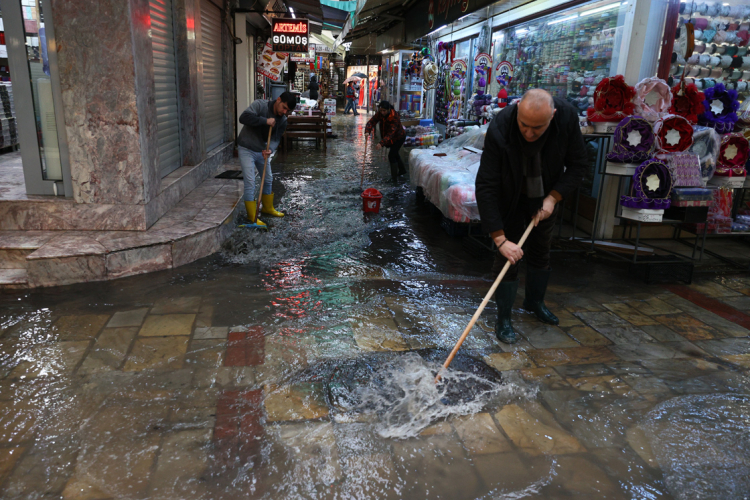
(522, 31)
(574, 16)
(440, 28)
(600, 9)
(291, 11)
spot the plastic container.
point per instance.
(426, 123)
(371, 200)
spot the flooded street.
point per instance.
(299, 364)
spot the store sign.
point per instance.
(459, 66)
(289, 35)
(340, 64)
(304, 58)
(504, 73)
(441, 10)
(271, 63)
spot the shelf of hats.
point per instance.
(682, 147)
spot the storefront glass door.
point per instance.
(29, 105)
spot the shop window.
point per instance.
(567, 53)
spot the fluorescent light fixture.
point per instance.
(440, 28)
(291, 11)
(600, 9)
(522, 31)
(725, 4)
(574, 16)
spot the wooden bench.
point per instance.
(306, 127)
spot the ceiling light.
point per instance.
(291, 10)
(600, 9)
(522, 31)
(440, 28)
(574, 16)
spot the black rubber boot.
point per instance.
(505, 295)
(401, 166)
(536, 287)
(394, 172)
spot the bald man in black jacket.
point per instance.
(534, 157)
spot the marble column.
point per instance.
(105, 90)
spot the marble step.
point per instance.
(13, 278)
(194, 228)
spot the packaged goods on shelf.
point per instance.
(448, 181)
(330, 106)
(422, 136)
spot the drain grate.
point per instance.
(230, 174)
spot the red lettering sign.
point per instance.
(296, 27)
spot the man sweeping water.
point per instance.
(254, 150)
(534, 157)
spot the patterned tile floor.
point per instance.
(183, 384)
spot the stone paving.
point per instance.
(204, 405)
(182, 384)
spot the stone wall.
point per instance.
(97, 76)
(107, 79)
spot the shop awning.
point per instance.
(375, 17)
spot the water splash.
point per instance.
(406, 399)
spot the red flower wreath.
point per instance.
(613, 100)
(741, 152)
(688, 105)
(673, 122)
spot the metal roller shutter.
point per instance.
(213, 92)
(165, 86)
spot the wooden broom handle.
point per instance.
(482, 306)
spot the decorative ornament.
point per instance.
(687, 102)
(633, 141)
(720, 107)
(612, 100)
(634, 138)
(733, 156)
(653, 98)
(651, 187)
(673, 134)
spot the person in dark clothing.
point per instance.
(534, 157)
(313, 87)
(350, 94)
(393, 136)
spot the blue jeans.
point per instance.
(248, 158)
(350, 104)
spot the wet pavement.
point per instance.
(298, 364)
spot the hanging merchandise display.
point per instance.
(720, 109)
(687, 101)
(674, 134)
(653, 98)
(633, 141)
(456, 88)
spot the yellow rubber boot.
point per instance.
(266, 202)
(250, 207)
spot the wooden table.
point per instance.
(306, 127)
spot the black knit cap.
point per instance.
(385, 105)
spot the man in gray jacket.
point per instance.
(251, 145)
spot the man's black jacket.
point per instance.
(500, 175)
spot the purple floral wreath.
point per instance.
(645, 197)
(724, 121)
(622, 151)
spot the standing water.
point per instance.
(300, 363)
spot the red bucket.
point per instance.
(371, 200)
